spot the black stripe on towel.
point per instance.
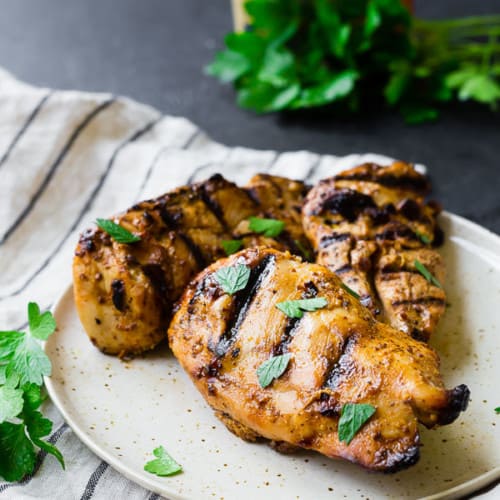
(199, 168)
(272, 163)
(24, 127)
(74, 136)
(312, 169)
(157, 157)
(93, 481)
(139, 133)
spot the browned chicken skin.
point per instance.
(124, 293)
(367, 225)
(339, 354)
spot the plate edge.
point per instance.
(100, 452)
(468, 487)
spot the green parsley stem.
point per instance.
(448, 24)
(476, 49)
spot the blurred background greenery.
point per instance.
(349, 55)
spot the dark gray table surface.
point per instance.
(154, 51)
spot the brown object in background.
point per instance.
(240, 17)
(409, 5)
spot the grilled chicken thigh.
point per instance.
(339, 354)
(282, 198)
(369, 225)
(124, 292)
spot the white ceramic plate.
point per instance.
(122, 410)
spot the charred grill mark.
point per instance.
(420, 301)
(156, 276)
(418, 183)
(171, 222)
(435, 206)
(311, 290)
(207, 287)
(194, 249)
(344, 269)
(242, 302)
(86, 242)
(270, 180)
(118, 294)
(200, 288)
(131, 260)
(381, 215)
(216, 178)
(286, 238)
(346, 202)
(290, 327)
(410, 209)
(343, 366)
(252, 195)
(419, 335)
(214, 208)
(293, 323)
(328, 406)
(458, 400)
(148, 218)
(88, 245)
(438, 238)
(396, 231)
(399, 460)
(205, 190)
(333, 238)
(389, 270)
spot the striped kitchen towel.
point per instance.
(67, 158)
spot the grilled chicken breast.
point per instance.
(339, 354)
(124, 292)
(369, 225)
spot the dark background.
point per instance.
(154, 51)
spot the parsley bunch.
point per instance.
(23, 364)
(350, 53)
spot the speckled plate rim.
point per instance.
(130, 473)
(488, 248)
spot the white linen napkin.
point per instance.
(67, 158)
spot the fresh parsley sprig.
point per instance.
(426, 273)
(231, 246)
(423, 238)
(163, 464)
(345, 54)
(267, 227)
(117, 232)
(232, 279)
(23, 364)
(296, 308)
(272, 369)
(350, 291)
(352, 418)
